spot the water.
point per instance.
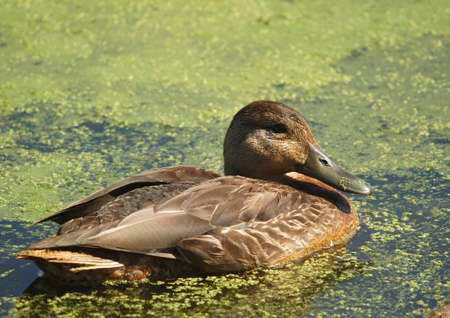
(90, 93)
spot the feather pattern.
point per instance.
(225, 224)
(82, 261)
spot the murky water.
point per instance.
(92, 92)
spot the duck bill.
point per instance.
(321, 167)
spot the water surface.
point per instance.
(92, 92)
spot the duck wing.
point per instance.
(152, 177)
(219, 203)
(283, 224)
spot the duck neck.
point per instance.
(228, 170)
(315, 187)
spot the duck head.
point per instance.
(267, 140)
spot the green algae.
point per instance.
(64, 72)
(198, 60)
(90, 93)
(255, 294)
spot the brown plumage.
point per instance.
(269, 208)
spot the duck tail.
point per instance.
(93, 266)
(78, 261)
(68, 266)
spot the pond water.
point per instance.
(91, 92)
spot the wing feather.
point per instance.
(221, 203)
(99, 198)
(155, 232)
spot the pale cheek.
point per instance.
(260, 145)
(293, 151)
(282, 152)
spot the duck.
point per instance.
(281, 199)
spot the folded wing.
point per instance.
(216, 204)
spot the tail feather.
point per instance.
(80, 261)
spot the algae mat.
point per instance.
(93, 91)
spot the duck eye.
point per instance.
(278, 128)
(324, 162)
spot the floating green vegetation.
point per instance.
(131, 61)
(93, 91)
(254, 294)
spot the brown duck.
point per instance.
(278, 201)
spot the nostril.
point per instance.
(324, 162)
